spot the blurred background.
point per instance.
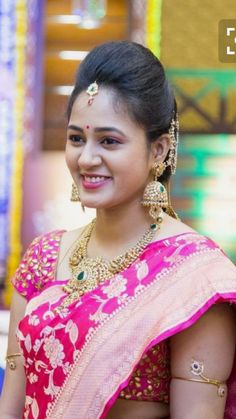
(41, 45)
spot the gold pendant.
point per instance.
(88, 273)
(85, 277)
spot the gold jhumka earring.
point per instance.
(155, 195)
(74, 194)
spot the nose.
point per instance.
(89, 156)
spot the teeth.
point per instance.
(94, 179)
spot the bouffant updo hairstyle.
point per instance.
(138, 79)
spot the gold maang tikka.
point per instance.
(92, 91)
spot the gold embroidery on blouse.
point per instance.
(147, 379)
(38, 263)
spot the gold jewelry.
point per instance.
(171, 212)
(197, 368)
(66, 253)
(174, 141)
(158, 169)
(74, 194)
(10, 360)
(155, 195)
(88, 273)
(173, 151)
(92, 90)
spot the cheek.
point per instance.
(68, 160)
(71, 157)
(133, 177)
(137, 165)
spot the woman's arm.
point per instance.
(13, 394)
(211, 341)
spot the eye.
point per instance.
(75, 138)
(110, 141)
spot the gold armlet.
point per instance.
(197, 368)
(11, 361)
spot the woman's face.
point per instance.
(106, 152)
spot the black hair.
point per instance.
(138, 79)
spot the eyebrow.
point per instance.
(99, 129)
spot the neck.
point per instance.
(121, 225)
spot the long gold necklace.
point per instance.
(88, 273)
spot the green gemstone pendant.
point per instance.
(80, 276)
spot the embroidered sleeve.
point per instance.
(38, 264)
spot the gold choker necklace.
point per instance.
(88, 273)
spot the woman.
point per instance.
(133, 315)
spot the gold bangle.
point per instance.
(197, 368)
(220, 385)
(10, 360)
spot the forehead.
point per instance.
(107, 109)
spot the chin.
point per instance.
(89, 205)
(95, 202)
(95, 205)
(98, 205)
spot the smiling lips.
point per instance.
(94, 181)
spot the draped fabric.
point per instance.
(78, 361)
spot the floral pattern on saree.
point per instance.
(53, 344)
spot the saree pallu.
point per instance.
(78, 361)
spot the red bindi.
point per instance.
(87, 126)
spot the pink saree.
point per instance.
(77, 362)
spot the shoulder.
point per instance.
(51, 237)
(172, 227)
(46, 245)
(71, 235)
(182, 233)
(68, 238)
(38, 263)
(197, 252)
